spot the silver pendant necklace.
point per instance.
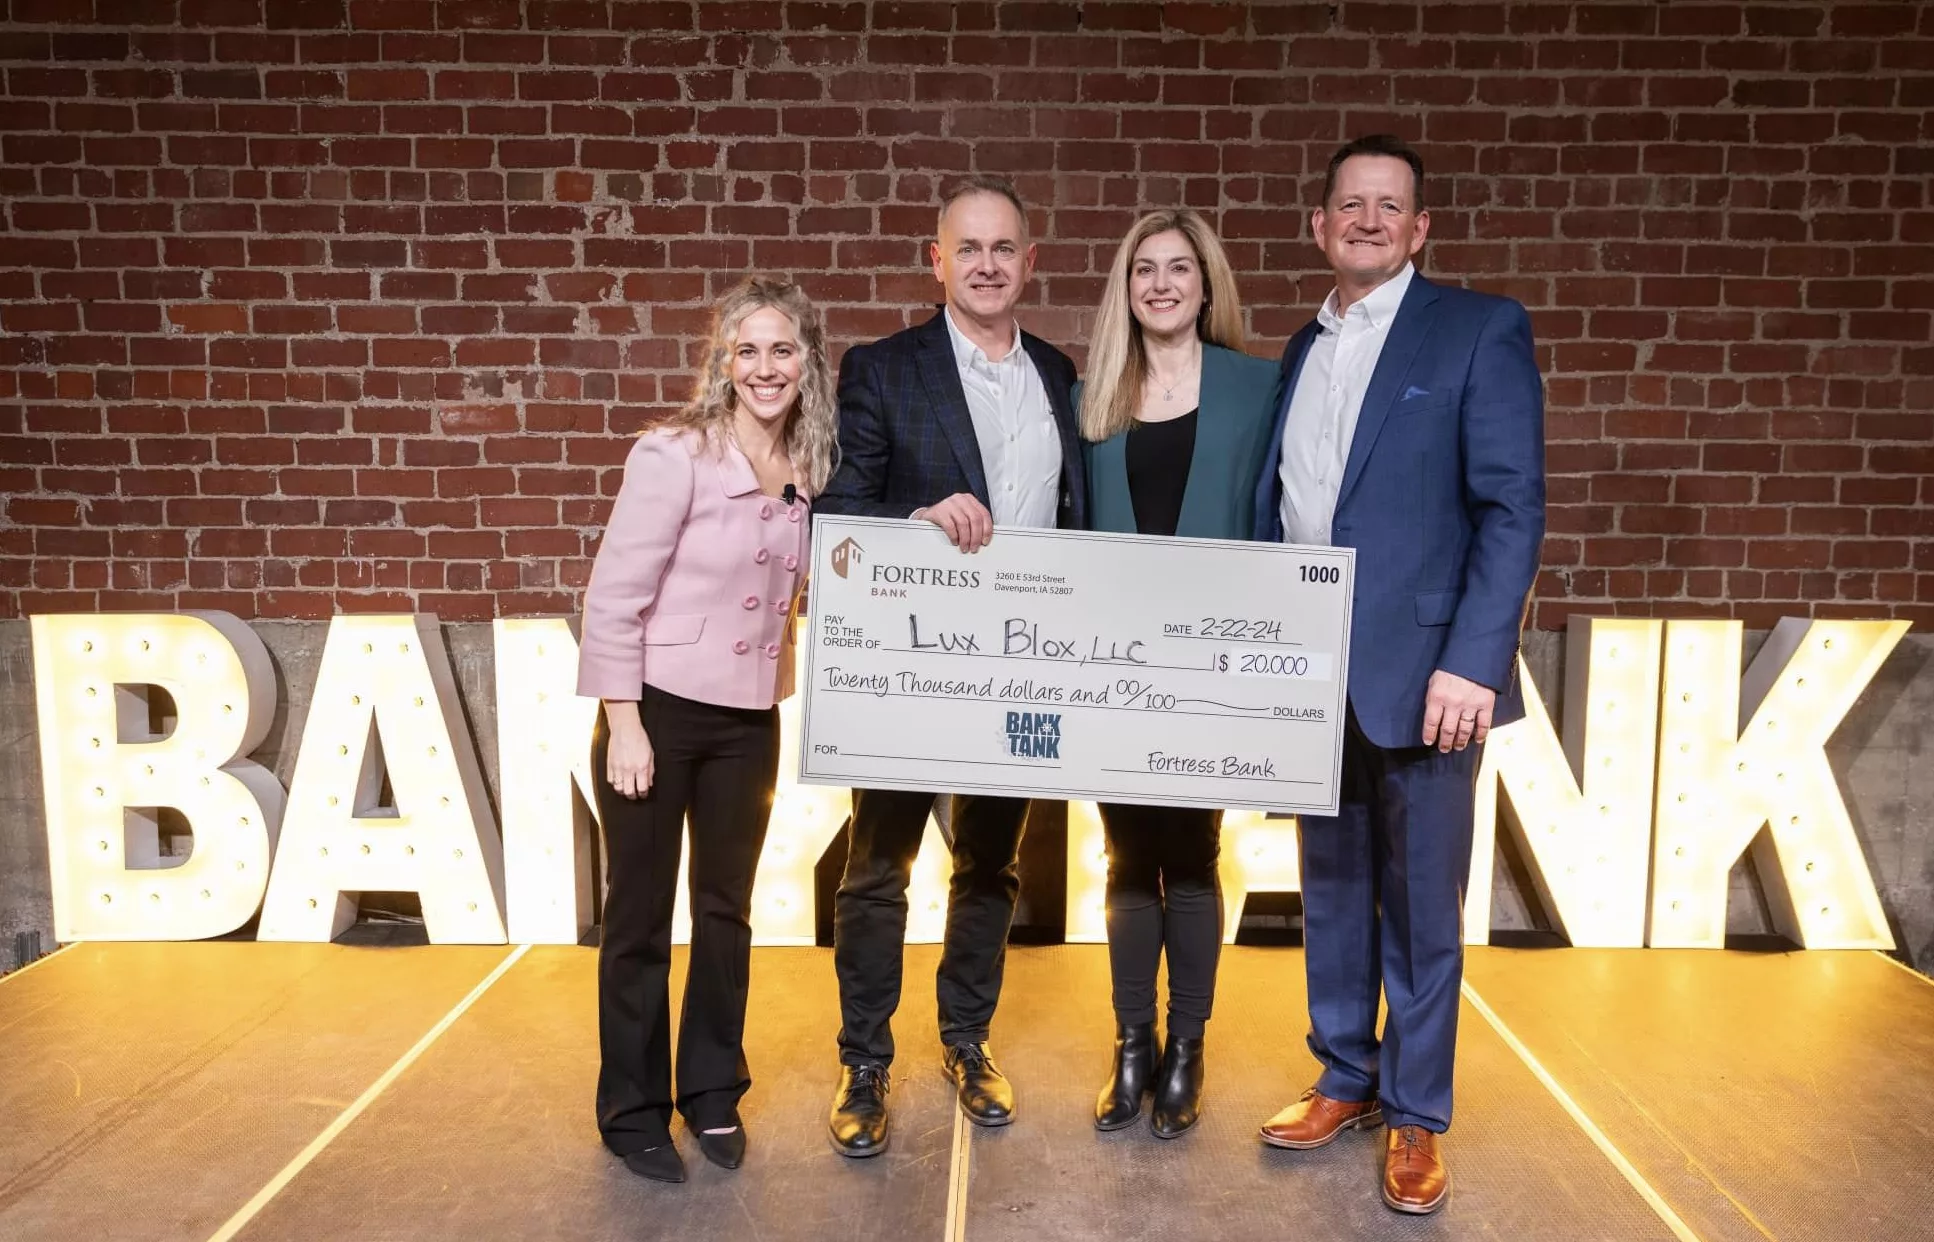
(1168, 390)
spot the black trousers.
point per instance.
(719, 766)
(1164, 892)
(870, 916)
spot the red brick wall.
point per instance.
(313, 305)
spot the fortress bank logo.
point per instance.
(846, 555)
(1034, 735)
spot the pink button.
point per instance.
(751, 602)
(741, 647)
(792, 515)
(772, 651)
(779, 606)
(765, 512)
(762, 556)
(792, 562)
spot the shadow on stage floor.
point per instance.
(256, 1091)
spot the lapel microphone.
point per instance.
(790, 494)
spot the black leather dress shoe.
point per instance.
(1178, 1088)
(985, 1095)
(660, 1164)
(858, 1123)
(725, 1150)
(1120, 1102)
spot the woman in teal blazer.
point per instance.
(1235, 414)
(1175, 420)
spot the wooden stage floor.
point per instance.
(202, 1092)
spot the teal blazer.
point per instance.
(1237, 417)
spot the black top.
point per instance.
(1158, 470)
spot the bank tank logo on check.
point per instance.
(846, 555)
(1034, 735)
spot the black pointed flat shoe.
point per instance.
(658, 1164)
(725, 1150)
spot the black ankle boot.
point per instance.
(1120, 1102)
(1178, 1088)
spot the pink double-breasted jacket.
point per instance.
(697, 580)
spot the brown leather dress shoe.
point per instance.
(1316, 1119)
(1414, 1177)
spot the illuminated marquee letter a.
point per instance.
(1720, 783)
(387, 678)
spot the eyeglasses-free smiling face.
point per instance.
(983, 257)
(1165, 285)
(1372, 223)
(767, 362)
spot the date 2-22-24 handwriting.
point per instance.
(1240, 628)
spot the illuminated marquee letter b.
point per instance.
(107, 773)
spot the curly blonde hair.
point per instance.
(811, 427)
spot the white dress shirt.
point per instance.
(1020, 445)
(1323, 410)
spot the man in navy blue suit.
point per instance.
(1412, 429)
(966, 422)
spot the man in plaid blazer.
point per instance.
(966, 422)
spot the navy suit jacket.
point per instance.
(1443, 497)
(906, 436)
(1236, 408)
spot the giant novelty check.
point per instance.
(1069, 664)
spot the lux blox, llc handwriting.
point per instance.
(1023, 638)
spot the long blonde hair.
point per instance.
(1117, 363)
(811, 428)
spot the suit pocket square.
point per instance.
(1413, 392)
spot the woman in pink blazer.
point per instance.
(687, 641)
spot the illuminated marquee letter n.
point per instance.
(105, 773)
(1721, 783)
(544, 778)
(1581, 811)
(387, 678)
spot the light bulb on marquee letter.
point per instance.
(1720, 783)
(387, 676)
(1583, 810)
(218, 674)
(545, 782)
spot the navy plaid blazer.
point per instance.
(906, 437)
